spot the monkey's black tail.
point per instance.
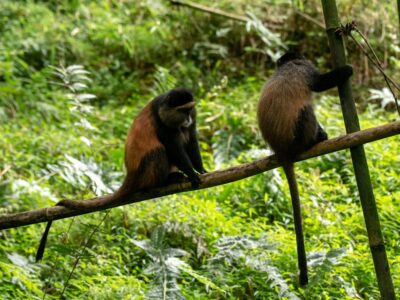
(126, 188)
(288, 167)
(42, 244)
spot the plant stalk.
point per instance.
(360, 165)
(398, 11)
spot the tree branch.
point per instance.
(218, 12)
(213, 11)
(208, 180)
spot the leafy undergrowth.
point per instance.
(68, 94)
(232, 242)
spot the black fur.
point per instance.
(42, 243)
(176, 152)
(289, 56)
(321, 134)
(176, 177)
(156, 161)
(174, 98)
(308, 131)
(185, 157)
(192, 149)
(323, 82)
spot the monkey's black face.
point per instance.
(289, 56)
(187, 115)
(180, 116)
(177, 109)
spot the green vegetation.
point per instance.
(73, 74)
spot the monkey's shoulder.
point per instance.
(144, 123)
(287, 85)
(142, 135)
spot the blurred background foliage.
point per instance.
(73, 74)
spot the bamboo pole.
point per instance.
(398, 13)
(208, 180)
(360, 164)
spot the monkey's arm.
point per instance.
(308, 131)
(179, 157)
(321, 134)
(326, 81)
(193, 150)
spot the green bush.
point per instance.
(73, 74)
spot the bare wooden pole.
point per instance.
(208, 180)
(360, 165)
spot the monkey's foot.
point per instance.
(176, 177)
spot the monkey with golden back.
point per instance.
(288, 124)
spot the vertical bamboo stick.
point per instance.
(358, 156)
(398, 13)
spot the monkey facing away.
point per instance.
(161, 141)
(287, 122)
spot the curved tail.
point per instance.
(288, 167)
(126, 188)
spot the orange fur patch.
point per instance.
(142, 139)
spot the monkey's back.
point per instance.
(282, 98)
(146, 161)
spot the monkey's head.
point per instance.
(178, 108)
(289, 56)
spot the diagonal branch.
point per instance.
(215, 11)
(210, 10)
(208, 180)
(241, 18)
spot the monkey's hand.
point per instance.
(176, 177)
(195, 180)
(347, 71)
(203, 171)
(321, 135)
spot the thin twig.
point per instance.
(309, 18)
(214, 11)
(375, 63)
(368, 44)
(82, 246)
(347, 30)
(5, 170)
(272, 24)
(380, 65)
(388, 80)
(67, 233)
